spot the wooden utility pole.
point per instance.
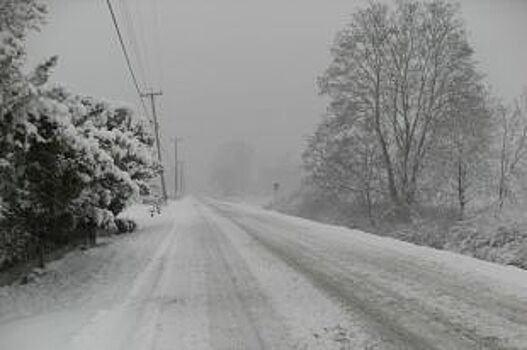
(176, 165)
(152, 95)
(182, 177)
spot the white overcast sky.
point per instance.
(242, 69)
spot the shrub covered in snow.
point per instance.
(495, 236)
(125, 225)
(68, 163)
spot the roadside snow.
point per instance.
(419, 288)
(85, 286)
(235, 276)
(495, 276)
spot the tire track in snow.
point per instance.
(130, 324)
(240, 314)
(462, 306)
(314, 321)
(414, 328)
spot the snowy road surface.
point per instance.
(216, 275)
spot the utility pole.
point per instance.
(182, 178)
(176, 165)
(152, 95)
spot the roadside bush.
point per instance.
(125, 225)
(492, 240)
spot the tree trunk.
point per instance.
(370, 209)
(91, 235)
(41, 254)
(461, 190)
(401, 209)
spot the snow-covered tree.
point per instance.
(511, 146)
(397, 71)
(17, 90)
(20, 118)
(67, 163)
(115, 152)
(128, 140)
(344, 160)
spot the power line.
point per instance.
(151, 94)
(144, 38)
(126, 56)
(129, 26)
(157, 43)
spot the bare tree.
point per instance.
(343, 160)
(462, 142)
(398, 70)
(512, 146)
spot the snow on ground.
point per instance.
(214, 275)
(313, 320)
(413, 296)
(256, 201)
(83, 285)
(494, 276)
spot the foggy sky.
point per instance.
(242, 69)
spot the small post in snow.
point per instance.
(276, 187)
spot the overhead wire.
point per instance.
(126, 56)
(157, 51)
(129, 26)
(146, 23)
(143, 37)
(134, 43)
(157, 44)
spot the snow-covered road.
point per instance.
(217, 275)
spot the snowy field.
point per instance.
(214, 275)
